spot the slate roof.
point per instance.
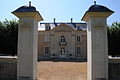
(99, 8)
(26, 9)
(76, 26)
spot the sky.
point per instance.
(62, 10)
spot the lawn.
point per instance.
(48, 70)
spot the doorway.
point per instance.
(62, 53)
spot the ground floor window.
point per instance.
(46, 50)
(78, 50)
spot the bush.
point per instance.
(8, 37)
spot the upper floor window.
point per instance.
(62, 38)
(78, 38)
(46, 50)
(47, 38)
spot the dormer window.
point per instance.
(47, 28)
(79, 28)
(62, 38)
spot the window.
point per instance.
(62, 38)
(62, 41)
(78, 50)
(47, 28)
(46, 50)
(47, 38)
(62, 51)
(78, 28)
(78, 38)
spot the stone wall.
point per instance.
(52, 40)
(114, 69)
(8, 69)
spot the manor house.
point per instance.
(63, 40)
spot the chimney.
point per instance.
(29, 3)
(71, 20)
(54, 19)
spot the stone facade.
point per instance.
(63, 40)
(8, 68)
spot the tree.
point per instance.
(8, 37)
(114, 39)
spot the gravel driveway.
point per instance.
(48, 70)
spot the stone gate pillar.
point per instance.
(97, 47)
(27, 42)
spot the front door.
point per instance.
(62, 53)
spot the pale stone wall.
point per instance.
(42, 43)
(70, 37)
(8, 69)
(82, 43)
(70, 49)
(97, 47)
(27, 48)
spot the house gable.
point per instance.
(63, 27)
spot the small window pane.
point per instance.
(46, 50)
(62, 38)
(78, 50)
(78, 38)
(47, 38)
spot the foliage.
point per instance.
(114, 39)
(8, 36)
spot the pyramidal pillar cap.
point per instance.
(97, 9)
(27, 11)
